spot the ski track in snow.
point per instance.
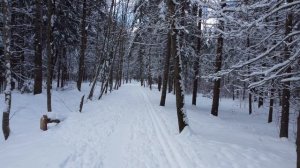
(108, 142)
(175, 158)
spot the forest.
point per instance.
(188, 54)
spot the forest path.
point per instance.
(128, 129)
(122, 130)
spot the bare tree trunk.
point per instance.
(64, 68)
(127, 70)
(38, 71)
(218, 66)
(298, 132)
(149, 74)
(298, 141)
(270, 117)
(260, 100)
(53, 59)
(171, 76)
(94, 82)
(176, 43)
(111, 73)
(166, 71)
(49, 52)
(120, 72)
(6, 38)
(250, 103)
(284, 123)
(197, 61)
(58, 70)
(82, 46)
(159, 83)
(141, 63)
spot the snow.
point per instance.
(127, 128)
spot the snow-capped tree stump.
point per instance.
(45, 120)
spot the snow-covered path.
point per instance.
(130, 134)
(128, 129)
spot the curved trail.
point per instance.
(122, 130)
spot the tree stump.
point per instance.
(45, 120)
(43, 123)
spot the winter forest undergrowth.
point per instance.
(150, 83)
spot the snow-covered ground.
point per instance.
(127, 129)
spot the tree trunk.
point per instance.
(218, 66)
(49, 52)
(260, 100)
(197, 60)
(298, 133)
(149, 74)
(64, 73)
(111, 73)
(171, 76)
(166, 72)
(141, 63)
(250, 103)
(284, 123)
(176, 43)
(58, 70)
(159, 83)
(6, 38)
(270, 117)
(82, 46)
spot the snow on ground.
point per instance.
(127, 129)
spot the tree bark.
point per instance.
(250, 103)
(298, 133)
(176, 43)
(6, 46)
(141, 63)
(58, 70)
(166, 72)
(159, 83)
(218, 66)
(197, 61)
(64, 73)
(49, 52)
(82, 46)
(260, 100)
(270, 117)
(284, 123)
(171, 76)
